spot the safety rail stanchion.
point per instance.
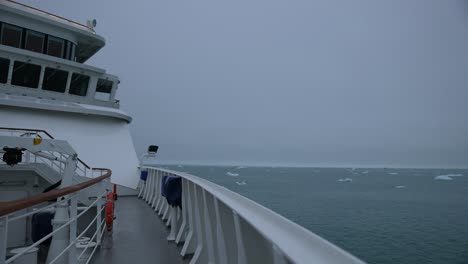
(183, 217)
(158, 190)
(3, 238)
(145, 188)
(147, 184)
(98, 224)
(153, 188)
(150, 186)
(73, 225)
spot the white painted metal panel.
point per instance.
(99, 141)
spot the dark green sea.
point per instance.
(379, 215)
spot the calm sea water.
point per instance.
(379, 215)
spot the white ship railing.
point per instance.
(67, 198)
(82, 169)
(217, 225)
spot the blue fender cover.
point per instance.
(173, 191)
(163, 185)
(143, 175)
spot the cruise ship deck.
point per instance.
(139, 237)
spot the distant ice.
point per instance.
(443, 178)
(393, 173)
(232, 174)
(400, 187)
(447, 177)
(345, 180)
(241, 183)
(365, 172)
(180, 166)
(241, 167)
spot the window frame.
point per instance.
(53, 38)
(6, 25)
(38, 77)
(106, 93)
(71, 82)
(44, 80)
(32, 32)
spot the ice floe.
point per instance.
(232, 174)
(241, 183)
(393, 173)
(447, 177)
(400, 187)
(345, 180)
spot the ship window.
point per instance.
(67, 53)
(34, 41)
(55, 80)
(103, 90)
(4, 66)
(26, 74)
(72, 52)
(11, 35)
(79, 84)
(55, 47)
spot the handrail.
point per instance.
(41, 131)
(50, 14)
(16, 205)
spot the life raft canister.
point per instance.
(110, 211)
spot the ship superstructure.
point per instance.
(45, 84)
(66, 150)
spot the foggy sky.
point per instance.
(323, 82)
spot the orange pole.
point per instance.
(115, 191)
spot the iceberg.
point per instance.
(400, 187)
(393, 173)
(232, 174)
(241, 167)
(345, 180)
(446, 177)
(241, 183)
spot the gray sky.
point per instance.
(323, 82)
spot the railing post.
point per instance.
(173, 223)
(3, 238)
(151, 187)
(99, 217)
(60, 239)
(73, 215)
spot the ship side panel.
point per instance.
(99, 141)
